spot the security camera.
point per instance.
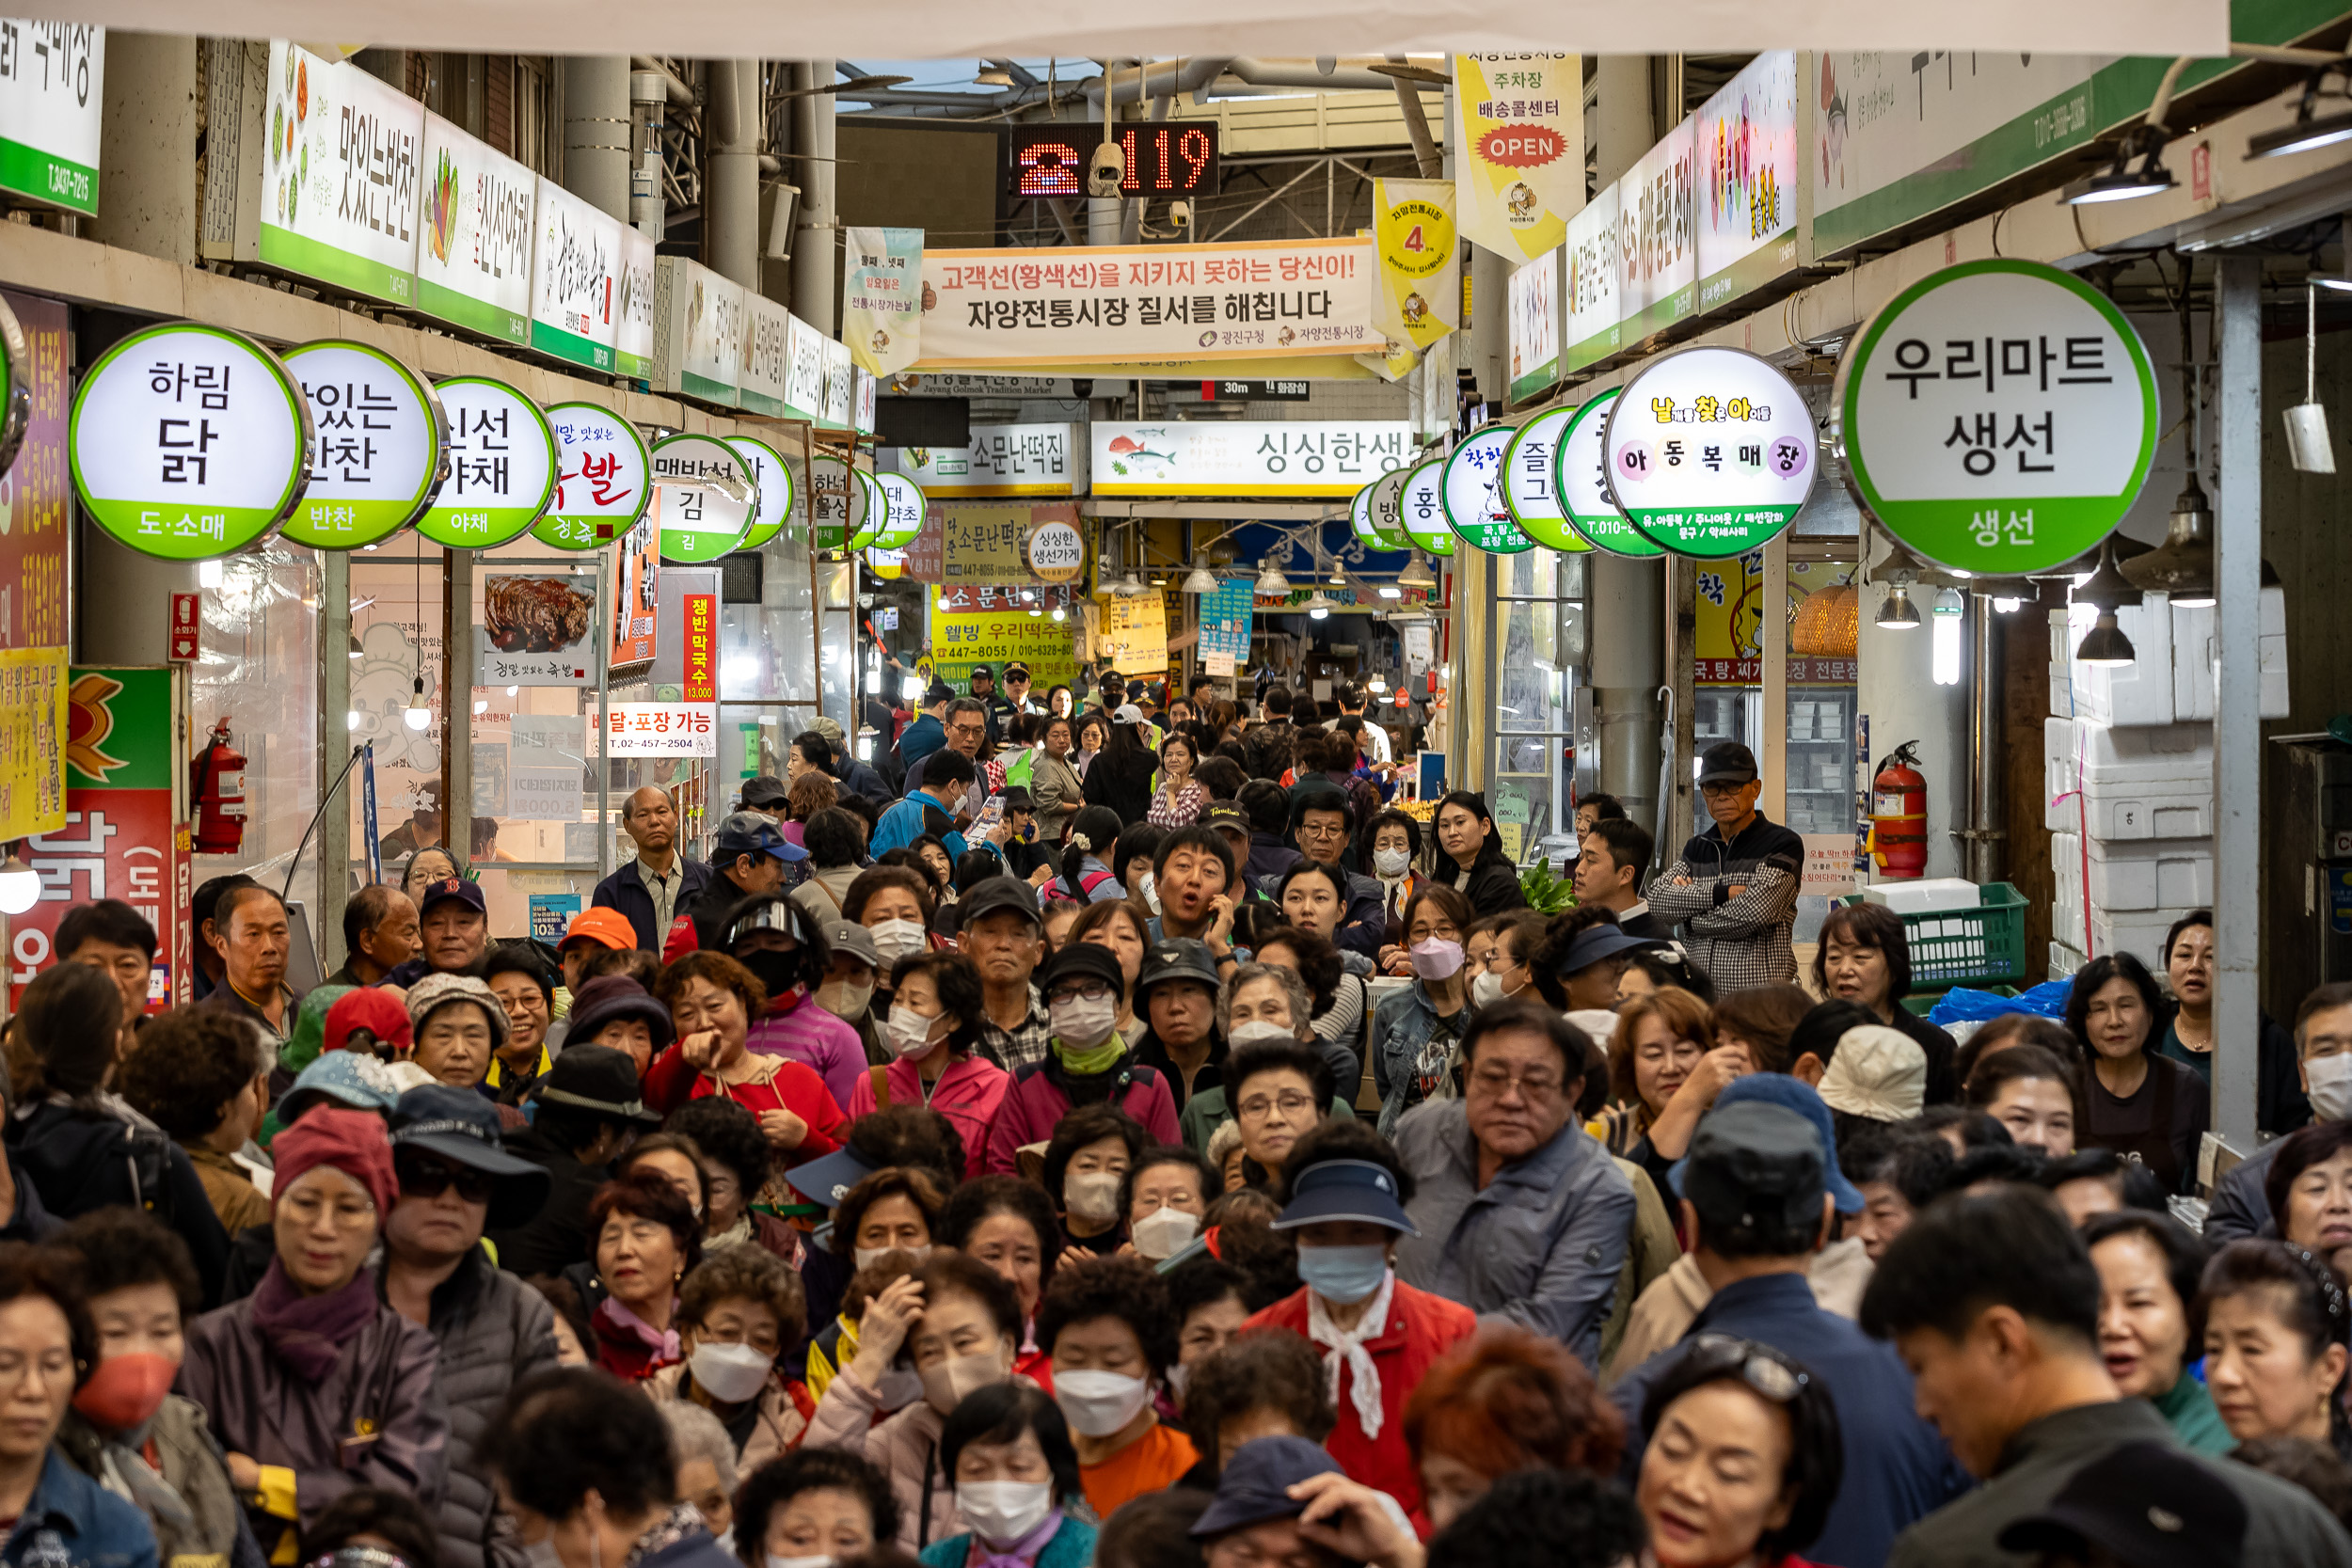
(1180, 215)
(1105, 171)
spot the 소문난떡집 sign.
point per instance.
(1711, 451)
(604, 478)
(502, 465)
(382, 448)
(1998, 417)
(188, 442)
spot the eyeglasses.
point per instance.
(1755, 1365)
(1092, 991)
(1721, 791)
(421, 1177)
(1497, 1080)
(1257, 1105)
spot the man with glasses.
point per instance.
(1522, 1217)
(968, 729)
(493, 1331)
(1760, 1195)
(1734, 891)
(1087, 1062)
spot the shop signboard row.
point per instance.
(188, 442)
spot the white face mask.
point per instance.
(1083, 1024)
(1260, 1029)
(1162, 1233)
(845, 998)
(2331, 1086)
(1099, 1403)
(1392, 863)
(1091, 1195)
(1485, 990)
(730, 1373)
(775, 1561)
(945, 1382)
(866, 1257)
(895, 939)
(908, 1031)
(1002, 1511)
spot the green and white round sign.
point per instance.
(1420, 507)
(1473, 491)
(773, 478)
(1580, 475)
(502, 466)
(604, 482)
(837, 503)
(381, 452)
(1998, 417)
(1711, 450)
(905, 507)
(877, 511)
(1383, 525)
(189, 443)
(1528, 488)
(703, 498)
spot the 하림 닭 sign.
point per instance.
(1998, 417)
(604, 482)
(1529, 490)
(1473, 494)
(381, 452)
(502, 466)
(1711, 451)
(1579, 475)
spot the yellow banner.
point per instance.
(1134, 634)
(1518, 141)
(32, 732)
(999, 634)
(1413, 231)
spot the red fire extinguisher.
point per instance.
(1898, 816)
(216, 782)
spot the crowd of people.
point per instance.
(1023, 1153)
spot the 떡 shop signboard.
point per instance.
(1001, 460)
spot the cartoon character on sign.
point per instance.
(381, 683)
(1522, 200)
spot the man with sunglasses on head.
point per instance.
(1734, 891)
(494, 1331)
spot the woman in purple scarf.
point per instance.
(314, 1385)
(1016, 1475)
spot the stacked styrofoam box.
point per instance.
(2196, 674)
(2172, 676)
(2139, 799)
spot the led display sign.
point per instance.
(1175, 158)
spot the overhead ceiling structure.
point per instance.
(803, 30)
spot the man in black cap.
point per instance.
(748, 857)
(767, 795)
(493, 1331)
(1734, 891)
(455, 923)
(1003, 932)
(983, 684)
(1759, 1195)
(1016, 697)
(1176, 995)
(2146, 1505)
(589, 1104)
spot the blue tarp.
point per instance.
(1959, 1004)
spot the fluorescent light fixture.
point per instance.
(2309, 134)
(1950, 606)
(1417, 573)
(1389, 592)
(2118, 182)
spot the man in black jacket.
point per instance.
(1734, 891)
(650, 887)
(749, 857)
(588, 1106)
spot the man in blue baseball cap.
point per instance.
(1759, 1194)
(749, 856)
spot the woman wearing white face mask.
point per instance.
(581, 1467)
(1508, 972)
(896, 906)
(1112, 1335)
(936, 1013)
(891, 1212)
(1016, 1473)
(1262, 1004)
(1087, 1162)
(1166, 1191)
(1391, 850)
(1344, 1192)
(738, 1312)
(1087, 1062)
(1415, 1031)
(951, 1327)
(811, 1507)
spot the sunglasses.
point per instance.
(428, 1178)
(1767, 1375)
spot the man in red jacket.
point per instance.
(1085, 1061)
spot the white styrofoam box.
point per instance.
(2136, 782)
(2138, 932)
(2136, 694)
(2195, 673)
(2066, 870)
(2151, 873)
(2064, 961)
(1925, 895)
(2061, 666)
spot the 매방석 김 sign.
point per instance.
(1998, 417)
(189, 443)
(702, 497)
(382, 452)
(1711, 451)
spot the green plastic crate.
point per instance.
(1980, 947)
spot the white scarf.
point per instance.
(1347, 1350)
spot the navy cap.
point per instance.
(1727, 762)
(828, 1181)
(1255, 1484)
(748, 833)
(1606, 939)
(1346, 1190)
(457, 889)
(461, 1126)
(1795, 1094)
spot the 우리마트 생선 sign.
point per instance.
(1998, 417)
(502, 466)
(603, 480)
(189, 443)
(1711, 451)
(1581, 475)
(1528, 488)
(381, 452)
(1473, 491)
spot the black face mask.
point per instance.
(778, 971)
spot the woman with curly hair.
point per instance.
(1112, 1335)
(713, 1001)
(813, 1503)
(1506, 1399)
(740, 1313)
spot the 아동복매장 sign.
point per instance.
(382, 450)
(502, 465)
(1711, 451)
(1998, 417)
(1471, 488)
(702, 497)
(603, 477)
(1519, 140)
(1579, 472)
(343, 175)
(473, 245)
(52, 78)
(189, 443)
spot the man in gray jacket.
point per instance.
(1524, 1218)
(493, 1330)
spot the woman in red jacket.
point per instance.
(713, 1001)
(1343, 1193)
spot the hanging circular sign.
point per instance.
(604, 478)
(1711, 451)
(1056, 552)
(1383, 527)
(906, 507)
(1472, 490)
(1950, 423)
(771, 479)
(703, 498)
(837, 504)
(188, 442)
(889, 565)
(502, 466)
(382, 450)
(1420, 507)
(1528, 489)
(16, 385)
(1580, 475)
(877, 511)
